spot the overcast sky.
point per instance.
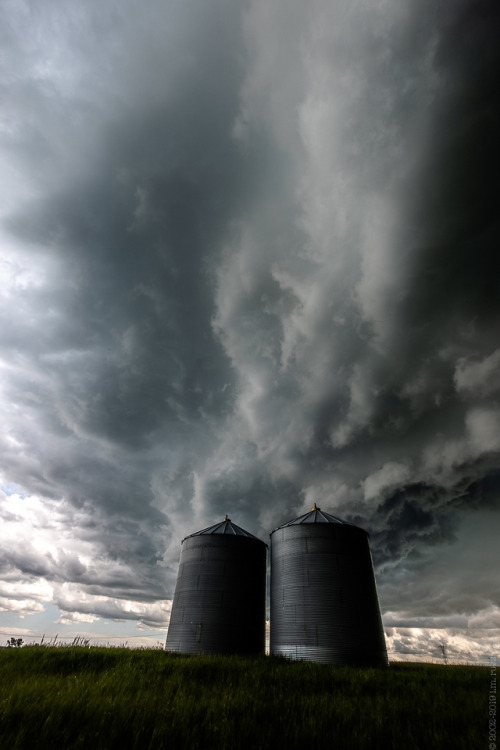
(248, 264)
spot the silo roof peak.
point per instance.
(316, 515)
(224, 527)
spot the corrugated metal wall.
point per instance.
(324, 604)
(220, 596)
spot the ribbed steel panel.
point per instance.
(220, 596)
(324, 604)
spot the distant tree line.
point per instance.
(15, 642)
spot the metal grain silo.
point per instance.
(324, 604)
(220, 596)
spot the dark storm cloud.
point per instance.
(381, 314)
(249, 265)
(112, 360)
(449, 311)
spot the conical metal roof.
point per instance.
(225, 527)
(316, 515)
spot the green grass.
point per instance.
(100, 698)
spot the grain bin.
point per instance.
(219, 604)
(324, 604)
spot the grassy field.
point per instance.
(102, 698)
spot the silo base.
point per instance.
(328, 656)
